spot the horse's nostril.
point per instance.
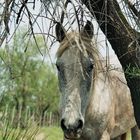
(80, 124)
(63, 124)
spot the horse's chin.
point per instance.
(72, 136)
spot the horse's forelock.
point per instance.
(75, 38)
(69, 39)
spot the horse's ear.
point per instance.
(60, 32)
(88, 30)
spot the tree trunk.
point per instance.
(124, 40)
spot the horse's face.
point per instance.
(75, 70)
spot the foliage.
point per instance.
(132, 71)
(27, 80)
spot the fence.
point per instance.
(19, 118)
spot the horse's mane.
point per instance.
(90, 47)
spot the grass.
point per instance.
(19, 134)
(52, 133)
(128, 135)
(43, 133)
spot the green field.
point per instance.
(52, 133)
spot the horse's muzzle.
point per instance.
(72, 131)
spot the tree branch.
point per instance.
(134, 10)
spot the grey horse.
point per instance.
(95, 100)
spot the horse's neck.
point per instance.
(100, 92)
(101, 100)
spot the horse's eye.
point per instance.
(90, 67)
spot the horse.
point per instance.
(95, 101)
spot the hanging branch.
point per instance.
(20, 10)
(133, 8)
(63, 13)
(6, 15)
(31, 26)
(5, 18)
